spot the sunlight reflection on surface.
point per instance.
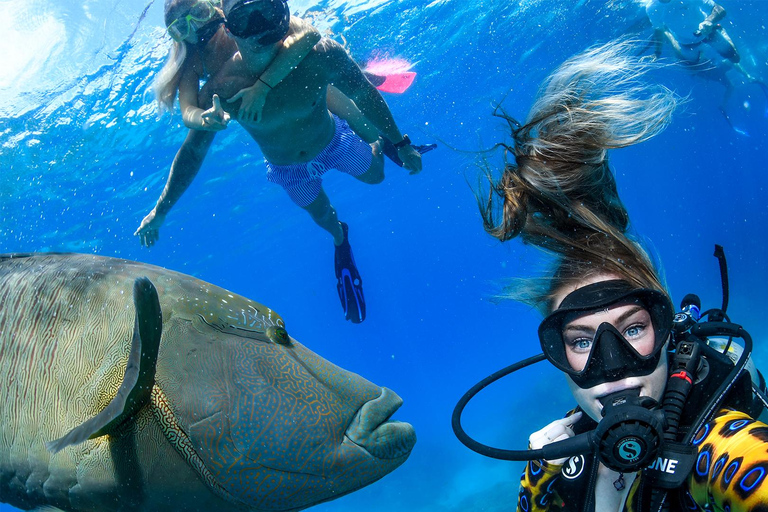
(27, 43)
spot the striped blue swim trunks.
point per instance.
(346, 152)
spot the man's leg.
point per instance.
(375, 173)
(349, 284)
(723, 44)
(324, 214)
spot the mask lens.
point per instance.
(577, 346)
(202, 11)
(179, 30)
(182, 27)
(238, 21)
(267, 18)
(634, 328)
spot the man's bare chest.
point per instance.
(296, 96)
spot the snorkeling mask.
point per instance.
(635, 430)
(197, 19)
(609, 355)
(269, 20)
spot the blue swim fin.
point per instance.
(390, 151)
(348, 281)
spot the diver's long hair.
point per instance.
(166, 83)
(560, 193)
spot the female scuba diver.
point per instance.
(664, 420)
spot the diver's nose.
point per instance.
(610, 354)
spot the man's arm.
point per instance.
(345, 75)
(184, 168)
(344, 108)
(708, 25)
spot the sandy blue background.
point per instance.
(83, 157)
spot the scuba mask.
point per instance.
(267, 21)
(606, 355)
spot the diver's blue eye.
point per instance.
(580, 344)
(634, 331)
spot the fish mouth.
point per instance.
(372, 429)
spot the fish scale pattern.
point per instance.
(240, 416)
(41, 304)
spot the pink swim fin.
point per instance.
(395, 82)
(389, 74)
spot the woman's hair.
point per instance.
(560, 194)
(166, 83)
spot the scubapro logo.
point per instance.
(630, 450)
(573, 467)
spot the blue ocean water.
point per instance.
(84, 157)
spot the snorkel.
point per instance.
(637, 433)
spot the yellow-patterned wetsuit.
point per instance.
(729, 476)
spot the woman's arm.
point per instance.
(302, 37)
(195, 118)
(189, 158)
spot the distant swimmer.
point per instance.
(689, 24)
(324, 115)
(700, 43)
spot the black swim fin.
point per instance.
(390, 151)
(348, 281)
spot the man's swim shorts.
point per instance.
(346, 153)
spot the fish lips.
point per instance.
(371, 447)
(372, 429)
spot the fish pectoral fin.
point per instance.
(47, 508)
(136, 388)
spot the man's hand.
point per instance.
(254, 98)
(215, 119)
(149, 230)
(705, 28)
(411, 158)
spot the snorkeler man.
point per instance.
(689, 24)
(299, 137)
